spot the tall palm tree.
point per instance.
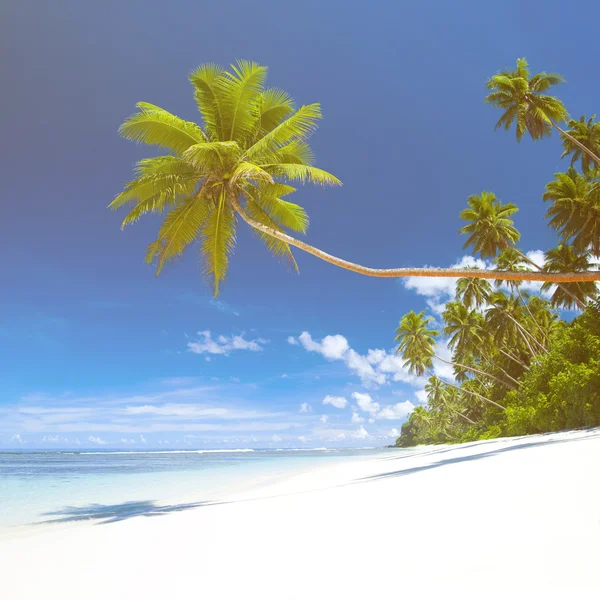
(417, 346)
(491, 230)
(575, 208)
(523, 99)
(240, 162)
(563, 258)
(473, 292)
(587, 133)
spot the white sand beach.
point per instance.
(516, 518)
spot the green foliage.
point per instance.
(252, 141)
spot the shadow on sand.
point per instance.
(459, 459)
(112, 513)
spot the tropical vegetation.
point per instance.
(518, 365)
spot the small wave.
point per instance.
(170, 451)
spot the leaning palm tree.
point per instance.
(239, 162)
(417, 344)
(523, 99)
(587, 133)
(575, 208)
(567, 258)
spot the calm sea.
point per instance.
(42, 487)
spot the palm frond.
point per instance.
(218, 242)
(179, 229)
(303, 173)
(278, 248)
(299, 126)
(155, 126)
(239, 92)
(274, 105)
(204, 79)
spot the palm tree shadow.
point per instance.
(479, 456)
(103, 514)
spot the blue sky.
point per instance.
(96, 351)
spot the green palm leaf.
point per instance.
(155, 126)
(204, 79)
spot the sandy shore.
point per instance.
(517, 518)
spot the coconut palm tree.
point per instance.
(473, 292)
(463, 327)
(417, 346)
(587, 133)
(439, 398)
(503, 317)
(575, 208)
(490, 228)
(523, 99)
(251, 145)
(562, 258)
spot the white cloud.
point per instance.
(284, 376)
(305, 407)
(55, 439)
(142, 439)
(366, 403)
(356, 418)
(324, 419)
(421, 396)
(127, 441)
(337, 401)
(375, 368)
(371, 420)
(17, 439)
(361, 433)
(292, 340)
(442, 369)
(332, 347)
(393, 433)
(276, 438)
(396, 411)
(96, 440)
(224, 345)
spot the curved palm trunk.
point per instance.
(562, 287)
(474, 370)
(524, 333)
(410, 272)
(577, 143)
(456, 387)
(514, 359)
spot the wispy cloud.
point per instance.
(224, 345)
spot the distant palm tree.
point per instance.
(252, 144)
(462, 327)
(524, 102)
(567, 258)
(575, 208)
(473, 292)
(490, 228)
(417, 346)
(587, 133)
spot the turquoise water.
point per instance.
(43, 487)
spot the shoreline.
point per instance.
(499, 516)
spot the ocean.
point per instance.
(38, 488)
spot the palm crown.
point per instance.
(587, 133)
(251, 145)
(524, 102)
(490, 227)
(416, 341)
